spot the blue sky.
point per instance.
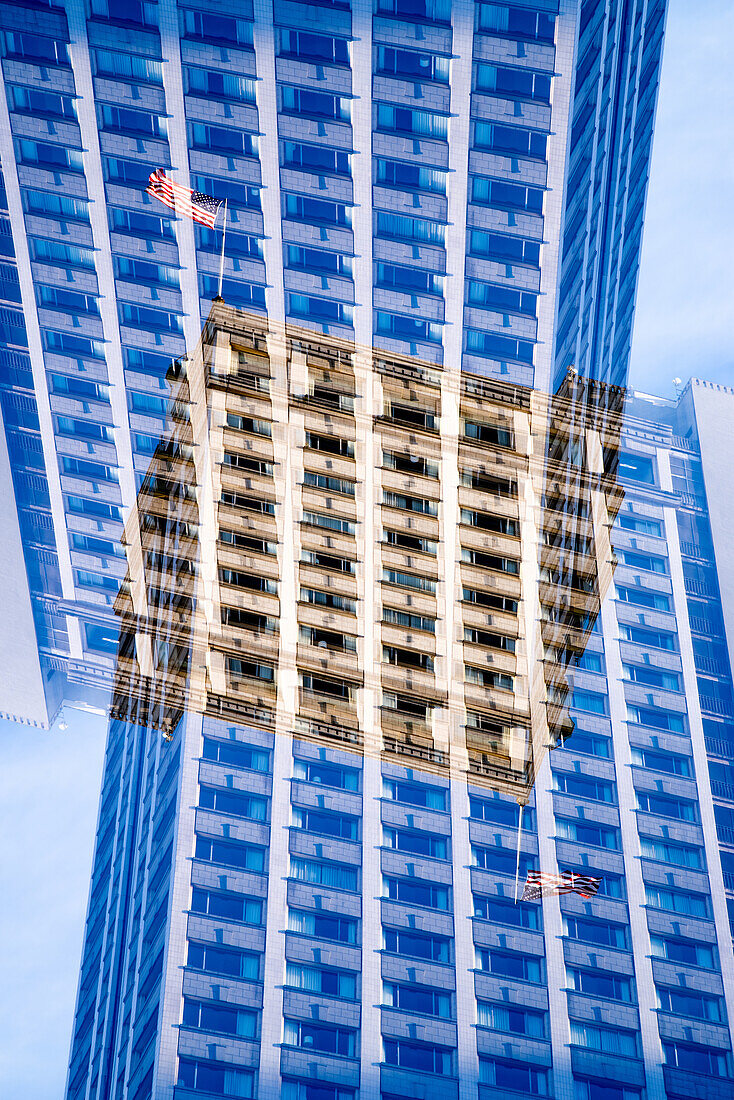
(49, 791)
(49, 785)
(685, 306)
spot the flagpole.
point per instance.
(519, 837)
(221, 258)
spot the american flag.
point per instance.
(192, 204)
(541, 884)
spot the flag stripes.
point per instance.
(191, 204)
(541, 884)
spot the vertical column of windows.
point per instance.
(701, 937)
(222, 130)
(513, 71)
(410, 166)
(317, 160)
(25, 448)
(222, 991)
(55, 247)
(323, 969)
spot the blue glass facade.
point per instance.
(486, 194)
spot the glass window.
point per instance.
(500, 911)
(595, 836)
(332, 983)
(127, 121)
(583, 786)
(399, 227)
(321, 159)
(225, 906)
(412, 64)
(510, 140)
(607, 1040)
(514, 1076)
(325, 824)
(320, 1037)
(410, 176)
(33, 101)
(526, 968)
(417, 998)
(313, 1090)
(400, 327)
(505, 19)
(314, 47)
(127, 66)
(140, 225)
(101, 639)
(499, 246)
(512, 1019)
(236, 753)
(414, 794)
(311, 104)
(237, 803)
(48, 155)
(651, 677)
(678, 901)
(417, 945)
(320, 309)
(642, 525)
(503, 347)
(518, 83)
(688, 952)
(224, 140)
(218, 85)
(327, 926)
(424, 1057)
(696, 1059)
(656, 718)
(326, 774)
(36, 47)
(407, 121)
(228, 853)
(430, 11)
(132, 173)
(302, 208)
(210, 26)
(340, 875)
(62, 206)
(140, 271)
(667, 806)
(600, 984)
(633, 467)
(604, 933)
(71, 301)
(501, 298)
(689, 1003)
(510, 196)
(219, 1017)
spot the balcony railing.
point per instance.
(700, 588)
(725, 833)
(718, 747)
(722, 790)
(716, 706)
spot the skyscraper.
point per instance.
(461, 182)
(305, 887)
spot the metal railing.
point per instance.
(722, 790)
(717, 746)
(716, 706)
